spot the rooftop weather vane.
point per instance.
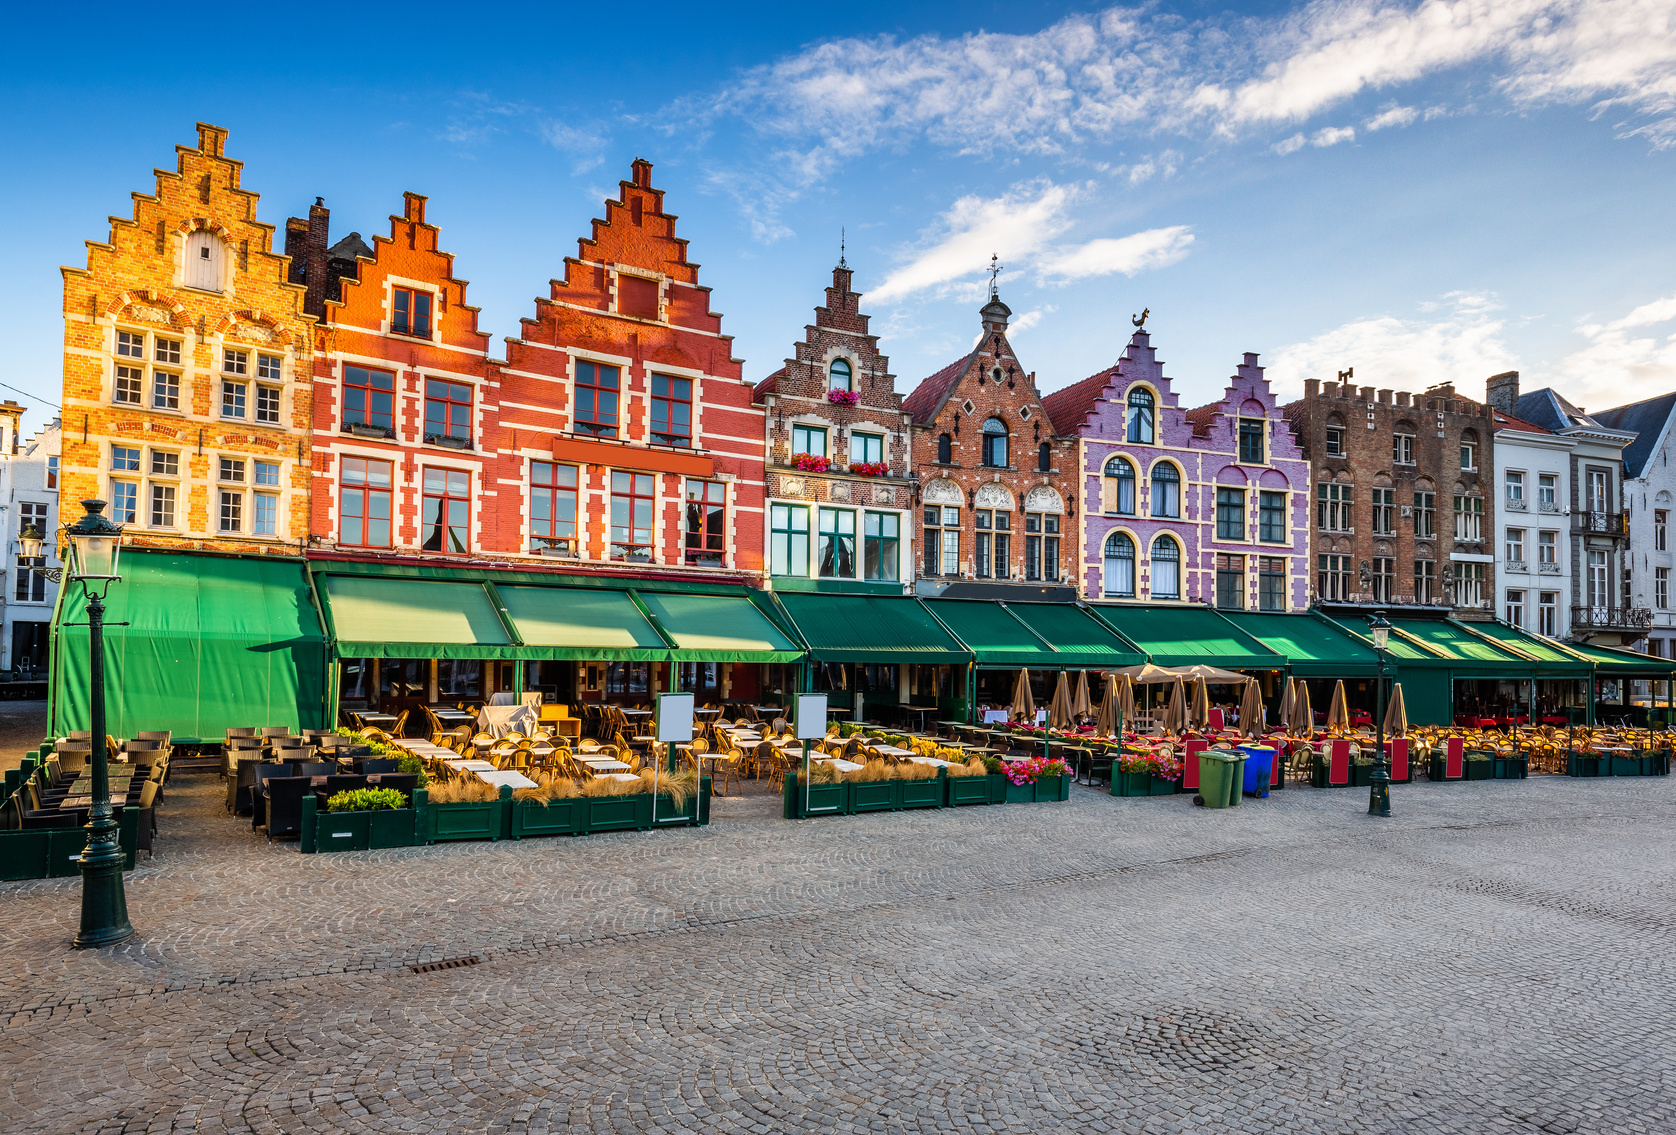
(1140, 320)
(841, 263)
(994, 276)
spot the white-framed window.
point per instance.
(130, 385)
(267, 405)
(235, 362)
(1547, 546)
(165, 390)
(942, 540)
(1515, 482)
(1661, 527)
(162, 506)
(1469, 585)
(1469, 518)
(1402, 449)
(1333, 507)
(1166, 568)
(839, 376)
(1333, 578)
(1516, 608)
(1599, 490)
(1120, 566)
(1384, 512)
(232, 511)
(1515, 546)
(1469, 456)
(1661, 588)
(1548, 491)
(1598, 584)
(233, 398)
(1335, 441)
(1547, 612)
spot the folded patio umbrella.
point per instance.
(1212, 674)
(1147, 674)
(1059, 709)
(1251, 711)
(1126, 700)
(1288, 698)
(1198, 709)
(1338, 713)
(1105, 721)
(1175, 713)
(1080, 705)
(1024, 706)
(1303, 714)
(1396, 714)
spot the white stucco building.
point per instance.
(1533, 553)
(28, 496)
(1650, 501)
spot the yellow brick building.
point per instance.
(188, 369)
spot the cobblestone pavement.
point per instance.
(1494, 959)
(23, 725)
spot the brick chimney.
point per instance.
(1502, 391)
(306, 243)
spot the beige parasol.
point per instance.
(1198, 710)
(1288, 699)
(1024, 706)
(1212, 674)
(1059, 709)
(1126, 701)
(1396, 714)
(1080, 705)
(1175, 713)
(1251, 711)
(1105, 721)
(1147, 674)
(1338, 712)
(1303, 714)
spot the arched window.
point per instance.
(838, 375)
(203, 261)
(1166, 490)
(945, 449)
(1120, 487)
(1120, 566)
(1166, 569)
(995, 443)
(1140, 416)
(1044, 458)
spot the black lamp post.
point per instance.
(95, 544)
(1379, 783)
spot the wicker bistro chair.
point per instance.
(730, 769)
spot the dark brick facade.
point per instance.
(1388, 455)
(980, 505)
(868, 543)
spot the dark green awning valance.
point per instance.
(717, 628)
(1083, 642)
(1313, 648)
(995, 636)
(1185, 635)
(374, 617)
(893, 629)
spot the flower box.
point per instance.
(1046, 789)
(926, 793)
(487, 819)
(581, 815)
(875, 796)
(1479, 766)
(1141, 784)
(846, 798)
(1435, 770)
(357, 831)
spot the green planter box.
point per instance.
(876, 796)
(1044, 790)
(55, 853)
(1484, 769)
(848, 798)
(823, 799)
(922, 793)
(1587, 764)
(489, 819)
(1141, 784)
(960, 791)
(357, 831)
(1434, 769)
(1360, 775)
(1632, 766)
(1512, 768)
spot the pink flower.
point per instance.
(843, 397)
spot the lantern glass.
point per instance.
(29, 542)
(95, 544)
(1381, 635)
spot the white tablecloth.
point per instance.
(509, 776)
(499, 720)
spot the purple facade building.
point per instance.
(1208, 505)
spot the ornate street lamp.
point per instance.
(95, 543)
(30, 543)
(1379, 783)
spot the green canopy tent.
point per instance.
(212, 642)
(1183, 636)
(1312, 647)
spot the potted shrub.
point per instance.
(1479, 765)
(358, 819)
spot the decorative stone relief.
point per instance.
(840, 490)
(943, 491)
(883, 494)
(790, 487)
(992, 495)
(254, 331)
(148, 314)
(1044, 498)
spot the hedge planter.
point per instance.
(923, 793)
(846, 798)
(1361, 775)
(1511, 768)
(357, 831)
(1479, 766)
(1642, 764)
(55, 853)
(1141, 784)
(1587, 764)
(1435, 770)
(876, 796)
(581, 815)
(487, 819)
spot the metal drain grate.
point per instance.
(446, 963)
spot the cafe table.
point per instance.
(841, 764)
(602, 764)
(505, 776)
(377, 720)
(892, 751)
(73, 803)
(702, 711)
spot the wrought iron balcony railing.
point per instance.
(1611, 618)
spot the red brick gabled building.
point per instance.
(406, 399)
(996, 482)
(625, 382)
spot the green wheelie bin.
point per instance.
(1221, 777)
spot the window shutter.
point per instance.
(1108, 494)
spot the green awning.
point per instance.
(1610, 663)
(718, 628)
(1552, 659)
(569, 622)
(870, 628)
(1467, 655)
(1182, 636)
(1313, 648)
(212, 642)
(377, 617)
(1084, 642)
(997, 638)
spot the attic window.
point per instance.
(634, 210)
(968, 407)
(1025, 413)
(637, 296)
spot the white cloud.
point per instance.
(1022, 228)
(1391, 116)
(1019, 324)
(1290, 145)
(1154, 248)
(1333, 135)
(1613, 367)
(1162, 165)
(585, 147)
(1463, 344)
(1139, 71)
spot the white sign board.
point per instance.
(675, 718)
(811, 717)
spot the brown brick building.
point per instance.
(840, 488)
(1403, 507)
(996, 484)
(187, 368)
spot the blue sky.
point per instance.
(1423, 191)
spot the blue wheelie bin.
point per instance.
(1259, 768)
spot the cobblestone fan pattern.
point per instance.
(1496, 958)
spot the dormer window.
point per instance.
(995, 443)
(410, 312)
(1140, 417)
(839, 375)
